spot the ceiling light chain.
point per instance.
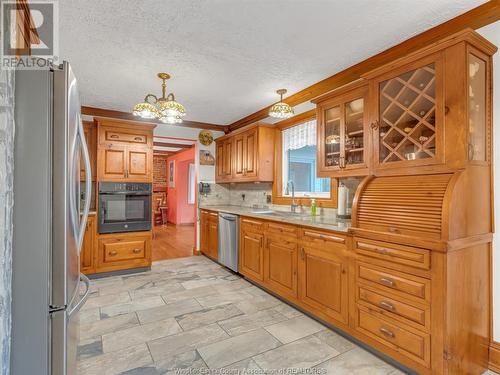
(166, 109)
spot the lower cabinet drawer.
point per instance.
(124, 250)
(413, 344)
(409, 313)
(404, 284)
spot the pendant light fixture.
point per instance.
(166, 109)
(281, 109)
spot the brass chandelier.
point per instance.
(165, 108)
(281, 109)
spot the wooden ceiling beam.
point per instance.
(173, 145)
(110, 113)
(480, 16)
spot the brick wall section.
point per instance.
(159, 173)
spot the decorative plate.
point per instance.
(205, 137)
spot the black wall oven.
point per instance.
(124, 207)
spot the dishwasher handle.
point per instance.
(228, 217)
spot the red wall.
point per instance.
(179, 211)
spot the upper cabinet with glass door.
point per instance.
(343, 147)
(430, 109)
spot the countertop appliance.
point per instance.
(124, 207)
(48, 227)
(229, 233)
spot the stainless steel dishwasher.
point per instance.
(229, 234)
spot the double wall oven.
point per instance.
(124, 207)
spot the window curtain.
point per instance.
(6, 210)
(300, 136)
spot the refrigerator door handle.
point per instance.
(88, 183)
(85, 296)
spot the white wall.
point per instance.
(492, 33)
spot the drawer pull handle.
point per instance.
(136, 251)
(394, 230)
(138, 138)
(386, 281)
(246, 221)
(383, 251)
(387, 332)
(114, 136)
(113, 253)
(387, 305)
(324, 237)
(302, 253)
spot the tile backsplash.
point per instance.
(241, 194)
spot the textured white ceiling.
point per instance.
(227, 57)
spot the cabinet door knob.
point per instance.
(113, 253)
(136, 251)
(375, 125)
(302, 253)
(387, 332)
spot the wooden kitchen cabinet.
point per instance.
(246, 155)
(209, 233)
(251, 262)
(124, 151)
(280, 262)
(87, 253)
(119, 251)
(224, 151)
(323, 274)
(430, 108)
(343, 131)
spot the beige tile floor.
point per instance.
(192, 315)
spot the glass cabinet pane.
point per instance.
(354, 140)
(332, 136)
(477, 108)
(407, 113)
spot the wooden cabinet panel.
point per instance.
(220, 155)
(123, 250)
(252, 255)
(410, 343)
(113, 164)
(343, 132)
(393, 307)
(213, 235)
(250, 153)
(209, 233)
(405, 255)
(87, 254)
(118, 251)
(239, 156)
(281, 265)
(400, 283)
(139, 162)
(125, 151)
(228, 159)
(323, 282)
(247, 156)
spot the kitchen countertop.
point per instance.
(326, 222)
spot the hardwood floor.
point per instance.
(173, 241)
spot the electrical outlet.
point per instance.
(269, 198)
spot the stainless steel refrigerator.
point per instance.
(49, 223)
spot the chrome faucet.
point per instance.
(293, 206)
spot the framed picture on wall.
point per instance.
(171, 173)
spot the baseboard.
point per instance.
(494, 360)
